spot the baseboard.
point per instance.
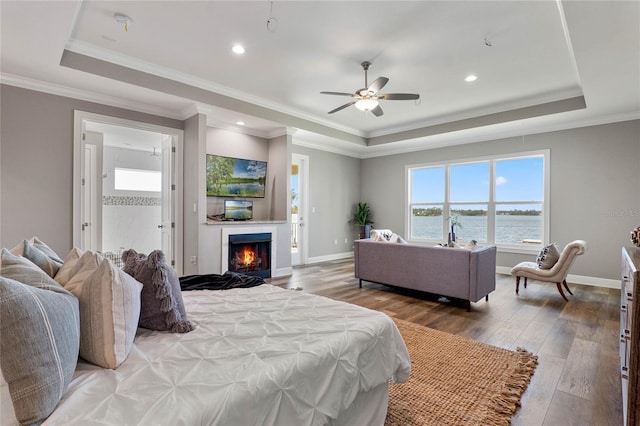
(282, 272)
(577, 279)
(329, 257)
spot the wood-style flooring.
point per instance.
(577, 381)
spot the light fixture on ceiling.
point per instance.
(470, 78)
(238, 49)
(240, 123)
(121, 18)
(366, 104)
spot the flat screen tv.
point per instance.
(238, 210)
(235, 177)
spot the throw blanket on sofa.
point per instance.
(225, 281)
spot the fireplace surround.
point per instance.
(232, 232)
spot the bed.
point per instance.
(257, 356)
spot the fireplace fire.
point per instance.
(250, 254)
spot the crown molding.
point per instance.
(85, 95)
(147, 67)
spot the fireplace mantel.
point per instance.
(243, 222)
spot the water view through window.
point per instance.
(509, 213)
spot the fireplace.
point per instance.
(250, 254)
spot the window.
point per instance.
(137, 180)
(495, 200)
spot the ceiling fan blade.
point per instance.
(337, 93)
(399, 96)
(378, 84)
(341, 107)
(377, 111)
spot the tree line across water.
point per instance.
(436, 211)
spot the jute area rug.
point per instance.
(457, 381)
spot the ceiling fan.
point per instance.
(367, 99)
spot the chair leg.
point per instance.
(525, 282)
(517, 283)
(564, 282)
(561, 292)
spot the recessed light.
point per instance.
(237, 49)
(240, 123)
(470, 78)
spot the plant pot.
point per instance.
(364, 231)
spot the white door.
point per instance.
(299, 207)
(167, 226)
(91, 191)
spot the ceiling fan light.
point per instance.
(366, 104)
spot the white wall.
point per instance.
(130, 219)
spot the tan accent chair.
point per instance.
(557, 274)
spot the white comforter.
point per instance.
(258, 356)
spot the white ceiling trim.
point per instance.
(492, 109)
(147, 67)
(85, 95)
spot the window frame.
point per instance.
(491, 202)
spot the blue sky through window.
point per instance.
(519, 179)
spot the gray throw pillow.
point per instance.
(548, 256)
(39, 344)
(161, 305)
(46, 262)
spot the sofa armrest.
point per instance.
(482, 270)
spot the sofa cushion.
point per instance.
(39, 339)
(162, 307)
(548, 256)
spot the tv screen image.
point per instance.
(238, 210)
(235, 177)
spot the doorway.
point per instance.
(299, 208)
(125, 187)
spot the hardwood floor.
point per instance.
(577, 381)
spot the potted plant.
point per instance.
(454, 221)
(362, 218)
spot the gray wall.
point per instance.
(36, 163)
(595, 188)
(334, 190)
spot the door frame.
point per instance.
(177, 136)
(303, 187)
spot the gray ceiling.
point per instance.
(541, 65)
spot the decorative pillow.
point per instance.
(39, 339)
(48, 263)
(109, 312)
(471, 245)
(162, 307)
(82, 270)
(23, 270)
(548, 256)
(64, 273)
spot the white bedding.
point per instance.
(258, 356)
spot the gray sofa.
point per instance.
(464, 274)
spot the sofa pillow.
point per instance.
(109, 311)
(548, 256)
(39, 340)
(47, 261)
(83, 269)
(471, 245)
(161, 305)
(64, 273)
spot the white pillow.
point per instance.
(109, 312)
(64, 273)
(83, 269)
